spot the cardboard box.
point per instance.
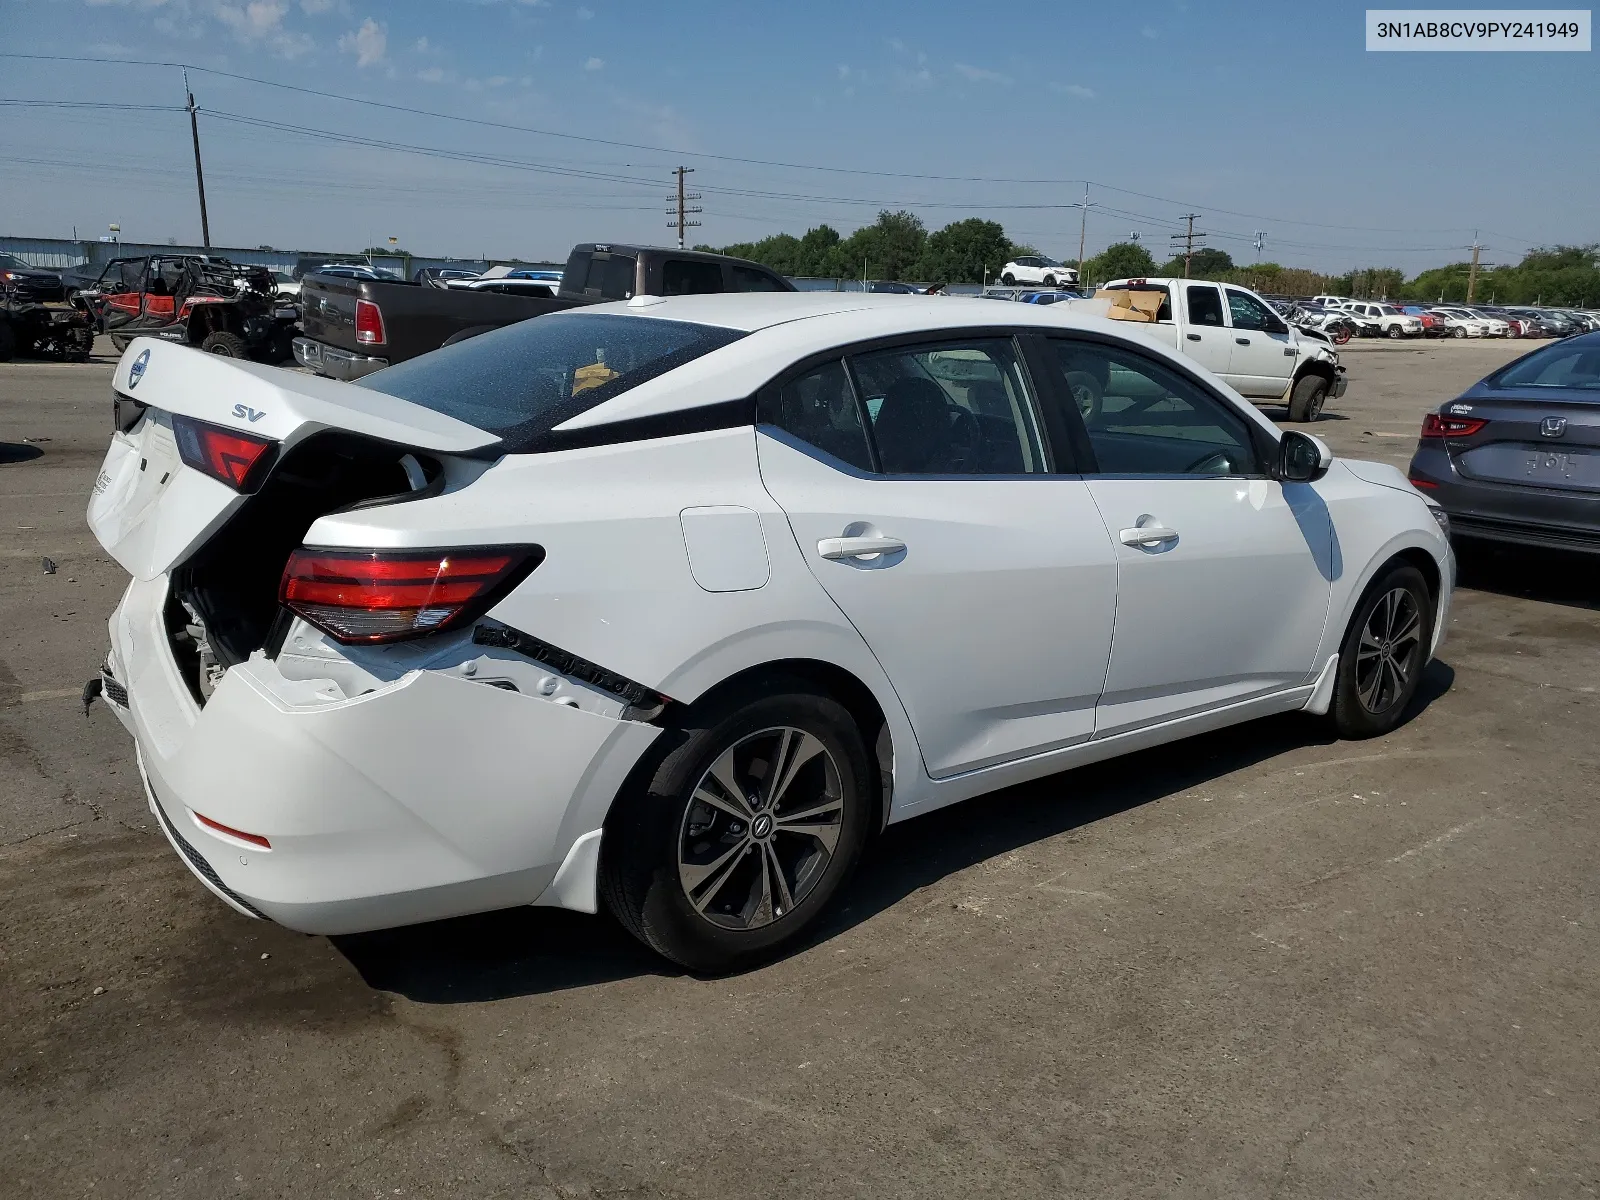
(1130, 305)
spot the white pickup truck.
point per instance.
(1236, 335)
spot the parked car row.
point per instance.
(1381, 318)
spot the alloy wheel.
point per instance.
(761, 828)
(1388, 652)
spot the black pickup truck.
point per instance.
(352, 327)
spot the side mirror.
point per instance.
(1301, 458)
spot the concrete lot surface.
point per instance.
(1260, 963)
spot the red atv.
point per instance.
(221, 307)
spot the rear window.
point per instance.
(612, 276)
(522, 381)
(1563, 365)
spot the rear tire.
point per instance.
(228, 345)
(1309, 395)
(1383, 654)
(716, 880)
(1087, 392)
(1008, 279)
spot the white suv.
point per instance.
(1396, 324)
(1035, 268)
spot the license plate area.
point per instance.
(1567, 467)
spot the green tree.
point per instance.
(1208, 263)
(963, 251)
(889, 248)
(1121, 260)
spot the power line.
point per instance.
(486, 123)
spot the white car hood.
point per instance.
(1379, 474)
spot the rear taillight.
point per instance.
(369, 324)
(387, 595)
(1437, 426)
(239, 460)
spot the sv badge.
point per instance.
(244, 412)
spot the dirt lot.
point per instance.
(1259, 963)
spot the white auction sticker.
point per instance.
(1477, 29)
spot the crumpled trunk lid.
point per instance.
(151, 511)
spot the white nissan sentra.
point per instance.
(675, 604)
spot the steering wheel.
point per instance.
(1215, 463)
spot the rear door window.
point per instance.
(950, 408)
(1205, 305)
(689, 277)
(820, 409)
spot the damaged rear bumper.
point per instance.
(431, 796)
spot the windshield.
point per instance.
(1048, 262)
(522, 381)
(12, 263)
(1564, 365)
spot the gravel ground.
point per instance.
(1258, 963)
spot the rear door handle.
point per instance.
(1242, 341)
(1147, 535)
(858, 547)
(1194, 337)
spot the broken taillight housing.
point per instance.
(389, 595)
(240, 460)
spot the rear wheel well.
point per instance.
(848, 691)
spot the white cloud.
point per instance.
(432, 75)
(594, 64)
(369, 43)
(844, 71)
(584, 14)
(254, 20)
(918, 79)
(496, 81)
(980, 74)
(315, 8)
(897, 45)
(1073, 89)
(1150, 31)
(422, 45)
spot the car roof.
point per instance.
(787, 327)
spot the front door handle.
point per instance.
(858, 547)
(1194, 337)
(1242, 341)
(1147, 535)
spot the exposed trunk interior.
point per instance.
(224, 600)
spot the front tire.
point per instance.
(1050, 281)
(1308, 397)
(1461, 331)
(1396, 332)
(1383, 655)
(228, 345)
(745, 829)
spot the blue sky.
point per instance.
(1257, 116)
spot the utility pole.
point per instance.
(681, 213)
(199, 175)
(1190, 240)
(1259, 241)
(1472, 275)
(1083, 230)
